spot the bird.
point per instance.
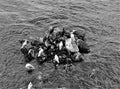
(40, 52)
(24, 43)
(56, 59)
(29, 67)
(60, 45)
(30, 86)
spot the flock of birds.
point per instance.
(58, 46)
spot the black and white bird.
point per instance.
(60, 45)
(24, 42)
(29, 67)
(24, 48)
(40, 52)
(56, 59)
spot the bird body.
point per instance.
(60, 45)
(24, 43)
(30, 86)
(29, 66)
(40, 52)
(56, 59)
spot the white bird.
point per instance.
(56, 59)
(24, 43)
(60, 45)
(29, 66)
(46, 43)
(29, 51)
(30, 86)
(40, 52)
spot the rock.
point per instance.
(71, 45)
(83, 46)
(80, 34)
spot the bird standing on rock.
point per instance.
(24, 42)
(40, 52)
(56, 59)
(58, 45)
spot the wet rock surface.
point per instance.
(21, 19)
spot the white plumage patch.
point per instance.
(24, 43)
(40, 52)
(30, 86)
(60, 45)
(29, 66)
(56, 58)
